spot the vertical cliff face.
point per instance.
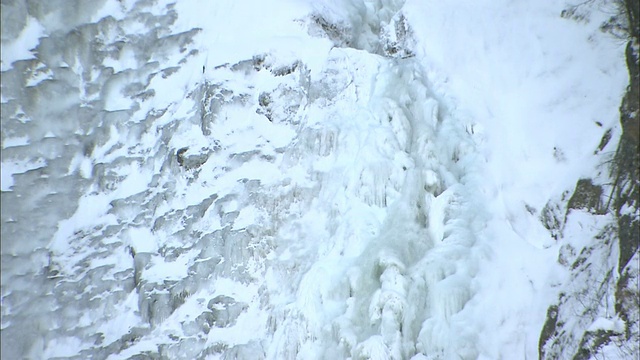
(626, 168)
(602, 293)
(64, 137)
(196, 196)
(380, 179)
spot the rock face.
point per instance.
(598, 311)
(167, 218)
(627, 160)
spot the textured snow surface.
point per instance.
(300, 180)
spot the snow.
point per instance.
(113, 8)
(141, 240)
(16, 141)
(21, 47)
(353, 202)
(63, 347)
(161, 270)
(615, 325)
(11, 168)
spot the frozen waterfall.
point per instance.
(216, 180)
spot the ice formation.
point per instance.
(175, 186)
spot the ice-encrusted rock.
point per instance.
(275, 206)
(225, 310)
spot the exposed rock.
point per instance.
(194, 161)
(586, 196)
(577, 311)
(397, 38)
(339, 33)
(225, 310)
(549, 328)
(552, 217)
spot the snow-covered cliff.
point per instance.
(311, 180)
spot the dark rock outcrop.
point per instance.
(583, 339)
